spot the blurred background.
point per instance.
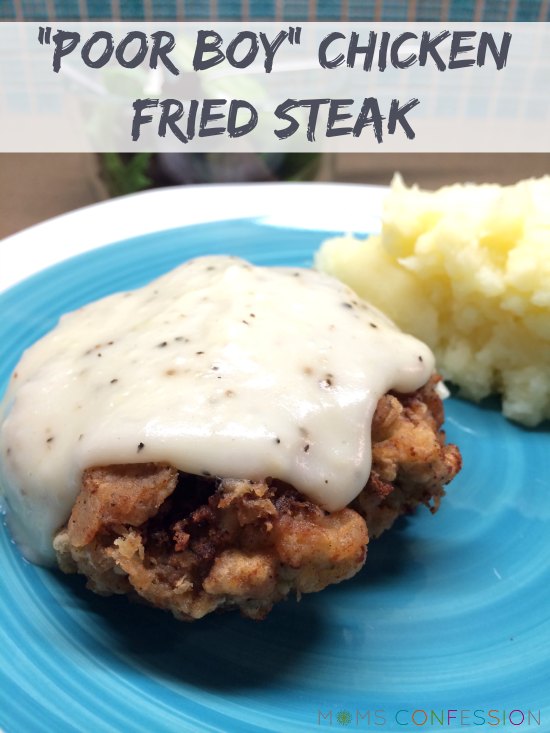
(294, 10)
(34, 187)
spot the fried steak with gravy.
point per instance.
(195, 544)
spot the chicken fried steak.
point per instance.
(195, 544)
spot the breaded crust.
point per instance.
(237, 544)
(192, 545)
(411, 463)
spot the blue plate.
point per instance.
(446, 626)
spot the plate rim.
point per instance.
(339, 207)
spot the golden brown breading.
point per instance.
(411, 463)
(119, 495)
(247, 546)
(192, 545)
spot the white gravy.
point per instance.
(218, 368)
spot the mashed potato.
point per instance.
(467, 270)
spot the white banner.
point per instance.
(271, 87)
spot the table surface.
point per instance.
(36, 187)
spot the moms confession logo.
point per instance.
(484, 719)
